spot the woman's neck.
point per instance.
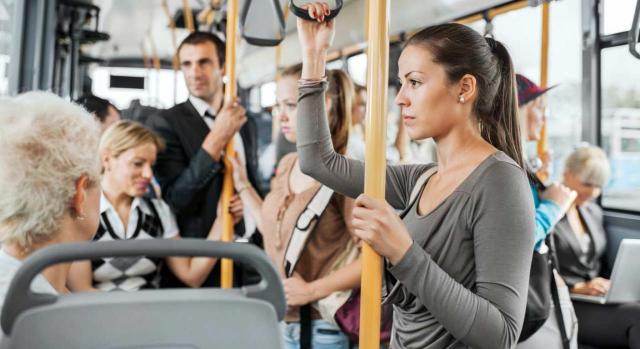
(56, 275)
(461, 146)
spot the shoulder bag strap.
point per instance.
(304, 226)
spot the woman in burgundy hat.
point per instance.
(551, 202)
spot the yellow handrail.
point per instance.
(375, 165)
(226, 277)
(543, 175)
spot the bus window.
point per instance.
(617, 16)
(6, 29)
(268, 94)
(520, 31)
(157, 90)
(357, 68)
(621, 127)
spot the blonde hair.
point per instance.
(124, 135)
(589, 165)
(46, 145)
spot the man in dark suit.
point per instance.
(190, 169)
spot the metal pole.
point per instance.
(375, 164)
(544, 73)
(226, 278)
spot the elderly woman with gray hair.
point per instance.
(580, 242)
(49, 175)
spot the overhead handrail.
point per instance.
(634, 33)
(297, 7)
(491, 13)
(375, 165)
(231, 92)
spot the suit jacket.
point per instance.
(575, 265)
(190, 179)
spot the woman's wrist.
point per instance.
(242, 187)
(313, 65)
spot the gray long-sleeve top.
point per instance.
(463, 282)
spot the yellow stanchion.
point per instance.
(188, 16)
(543, 175)
(226, 277)
(375, 164)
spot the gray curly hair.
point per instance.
(46, 144)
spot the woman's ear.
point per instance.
(105, 159)
(467, 88)
(79, 198)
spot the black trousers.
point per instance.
(608, 326)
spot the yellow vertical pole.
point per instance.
(226, 277)
(544, 73)
(279, 47)
(375, 164)
(188, 16)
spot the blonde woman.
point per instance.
(127, 153)
(50, 180)
(580, 241)
(314, 277)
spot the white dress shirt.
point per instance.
(202, 107)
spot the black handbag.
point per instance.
(542, 287)
(538, 297)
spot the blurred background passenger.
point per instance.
(551, 203)
(101, 108)
(127, 152)
(580, 241)
(356, 146)
(50, 180)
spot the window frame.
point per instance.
(593, 46)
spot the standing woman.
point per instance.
(127, 152)
(458, 262)
(316, 275)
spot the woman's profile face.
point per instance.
(428, 103)
(535, 118)
(131, 172)
(586, 192)
(287, 107)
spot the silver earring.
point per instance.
(461, 99)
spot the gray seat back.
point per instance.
(244, 317)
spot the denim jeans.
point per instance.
(324, 336)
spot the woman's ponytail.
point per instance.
(501, 127)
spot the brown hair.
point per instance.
(461, 50)
(294, 71)
(341, 92)
(199, 38)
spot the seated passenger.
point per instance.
(127, 153)
(291, 191)
(102, 109)
(50, 180)
(580, 242)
